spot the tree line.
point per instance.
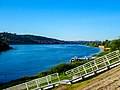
(113, 44)
(4, 46)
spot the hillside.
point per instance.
(113, 44)
(105, 43)
(27, 39)
(109, 80)
(4, 46)
(11, 38)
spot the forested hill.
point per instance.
(27, 39)
(4, 46)
(11, 38)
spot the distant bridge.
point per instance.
(79, 73)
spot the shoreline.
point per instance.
(45, 71)
(63, 61)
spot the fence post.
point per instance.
(50, 79)
(118, 54)
(58, 77)
(47, 80)
(79, 71)
(73, 72)
(26, 86)
(91, 67)
(96, 65)
(84, 69)
(18, 87)
(107, 60)
(106, 63)
(37, 83)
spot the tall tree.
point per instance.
(115, 44)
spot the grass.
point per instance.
(62, 74)
(60, 67)
(76, 85)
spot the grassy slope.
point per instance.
(109, 80)
(60, 68)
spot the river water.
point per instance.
(30, 59)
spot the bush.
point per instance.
(4, 46)
(62, 67)
(115, 45)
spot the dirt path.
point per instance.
(109, 80)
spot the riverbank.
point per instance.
(112, 61)
(108, 80)
(42, 58)
(60, 68)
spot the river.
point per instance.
(26, 60)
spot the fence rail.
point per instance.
(40, 83)
(79, 73)
(95, 66)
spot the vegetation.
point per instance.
(104, 80)
(11, 38)
(113, 45)
(60, 68)
(94, 44)
(75, 86)
(4, 46)
(102, 53)
(105, 43)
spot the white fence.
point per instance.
(79, 73)
(40, 83)
(94, 66)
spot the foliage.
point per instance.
(60, 68)
(102, 53)
(96, 44)
(115, 44)
(106, 43)
(13, 38)
(4, 46)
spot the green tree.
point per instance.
(115, 44)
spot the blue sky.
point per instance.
(62, 19)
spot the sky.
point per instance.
(62, 19)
